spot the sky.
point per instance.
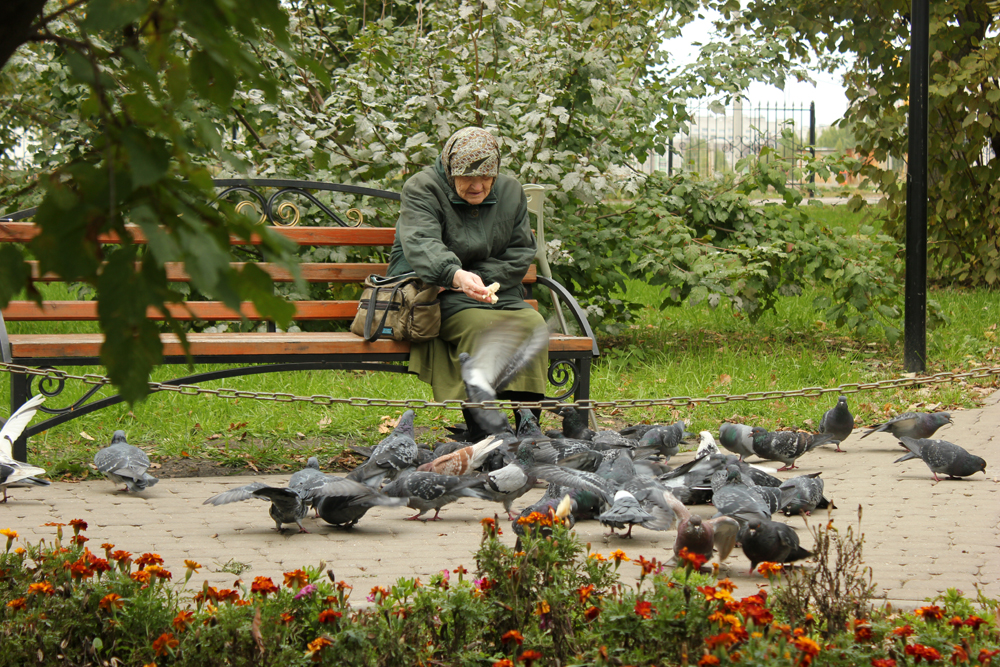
(827, 93)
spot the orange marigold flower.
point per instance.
(974, 622)
(883, 662)
(618, 555)
(708, 660)
(722, 639)
(690, 559)
(596, 556)
(98, 564)
(182, 620)
(142, 576)
(107, 546)
(192, 565)
(329, 616)
(296, 579)
(159, 572)
(648, 566)
(727, 585)
(460, 570)
(490, 527)
(758, 614)
(807, 646)
(165, 642)
(584, 593)
(78, 525)
(263, 585)
(18, 603)
(9, 533)
(770, 569)
(79, 540)
(40, 588)
(111, 601)
(862, 634)
(506, 662)
(986, 656)
(644, 608)
(711, 593)
(903, 631)
(121, 555)
(535, 517)
(591, 614)
(529, 657)
(930, 612)
(921, 652)
(287, 617)
(81, 570)
(148, 559)
(227, 595)
(512, 636)
(315, 646)
(958, 655)
(542, 608)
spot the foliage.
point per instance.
(964, 112)
(554, 602)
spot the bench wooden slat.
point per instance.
(311, 236)
(312, 272)
(244, 344)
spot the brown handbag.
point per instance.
(400, 307)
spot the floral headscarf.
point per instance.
(472, 151)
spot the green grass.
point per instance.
(686, 351)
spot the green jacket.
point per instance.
(438, 233)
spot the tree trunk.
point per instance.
(16, 19)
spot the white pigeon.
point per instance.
(14, 474)
(707, 447)
(126, 464)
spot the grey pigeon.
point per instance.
(424, 490)
(287, 505)
(342, 503)
(395, 453)
(665, 439)
(500, 353)
(739, 501)
(625, 510)
(786, 446)
(126, 464)
(700, 535)
(838, 421)
(773, 497)
(804, 494)
(771, 542)
(574, 425)
(636, 431)
(13, 473)
(913, 424)
(942, 457)
(737, 438)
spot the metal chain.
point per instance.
(416, 403)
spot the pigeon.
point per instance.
(707, 446)
(913, 424)
(126, 464)
(838, 421)
(666, 439)
(464, 461)
(624, 510)
(430, 490)
(942, 457)
(804, 494)
(786, 446)
(739, 501)
(636, 431)
(500, 354)
(395, 453)
(344, 502)
(287, 505)
(737, 438)
(700, 535)
(772, 495)
(13, 473)
(771, 542)
(574, 425)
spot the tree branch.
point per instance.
(17, 18)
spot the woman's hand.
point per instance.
(472, 286)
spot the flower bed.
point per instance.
(553, 602)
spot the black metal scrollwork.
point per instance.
(563, 372)
(51, 386)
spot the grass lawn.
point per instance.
(677, 351)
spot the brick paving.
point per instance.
(920, 537)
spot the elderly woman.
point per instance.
(462, 226)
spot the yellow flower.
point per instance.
(191, 565)
(598, 557)
(619, 556)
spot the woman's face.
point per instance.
(473, 189)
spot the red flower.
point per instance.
(722, 639)
(690, 559)
(930, 612)
(263, 585)
(329, 616)
(490, 527)
(79, 540)
(648, 566)
(506, 662)
(460, 570)
(18, 603)
(78, 525)
(862, 634)
(986, 656)
(959, 655)
(644, 608)
(287, 617)
(974, 622)
(921, 652)
(591, 614)
(182, 620)
(904, 631)
(708, 660)
(883, 662)
(584, 593)
(758, 614)
(148, 559)
(512, 636)
(163, 643)
(529, 657)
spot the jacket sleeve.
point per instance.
(510, 266)
(419, 232)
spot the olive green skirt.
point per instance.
(436, 361)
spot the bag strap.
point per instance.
(370, 335)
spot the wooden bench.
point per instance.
(254, 352)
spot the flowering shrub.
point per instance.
(553, 601)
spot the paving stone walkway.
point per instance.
(921, 538)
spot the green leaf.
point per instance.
(149, 157)
(112, 15)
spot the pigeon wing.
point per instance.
(14, 426)
(236, 495)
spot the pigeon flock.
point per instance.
(622, 479)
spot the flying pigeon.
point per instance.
(431, 491)
(913, 424)
(287, 505)
(838, 421)
(395, 453)
(700, 535)
(737, 438)
(786, 446)
(126, 464)
(13, 473)
(771, 542)
(804, 494)
(500, 353)
(942, 457)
